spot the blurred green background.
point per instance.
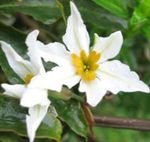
(103, 17)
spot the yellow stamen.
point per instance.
(86, 65)
(83, 56)
(28, 78)
(77, 62)
(93, 57)
(88, 75)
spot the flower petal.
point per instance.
(66, 75)
(47, 80)
(55, 52)
(34, 119)
(16, 62)
(33, 51)
(76, 37)
(108, 47)
(55, 79)
(13, 90)
(94, 90)
(119, 77)
(34, 96)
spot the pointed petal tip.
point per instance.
(34, 118)
(32, 36)
(73, 9)
(142, 87)
(146, 89)
(118, 34)
(92, 104)
(3, 87)
(31, 135)
(2, 42)
(96, 35)
(4, 45)
(35, 32)
(72, 5)
(95, 101)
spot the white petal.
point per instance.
(108, 47)
(14, 90)
(55, 79)
(119, 77)
(55, 52)
(33, 51)
(94, 90)
(76, 37)
(16, 62)
(66, 75)
(34, 119)
(34, 96)
(47, 80)
(71, 81)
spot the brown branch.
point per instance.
(126, 123)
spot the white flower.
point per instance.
(90, 66)
(32, 96)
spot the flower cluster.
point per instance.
(77, 63)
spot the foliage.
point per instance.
(18, 17)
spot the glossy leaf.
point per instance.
(116, 7)
(71, 113)
(10, 137)
(12, 119)
(45, 11)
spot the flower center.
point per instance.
(28, 78)
(86, 66)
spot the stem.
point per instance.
(62, 11)
(77, 97)
(126, 123)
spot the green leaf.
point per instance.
(12, 119)
(17, 40)
(71, 113)
(117, 7)
(10, 137)
(45, 11)
(141, 13)
(140, 19)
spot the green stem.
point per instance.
(62, 11)
(77, 97)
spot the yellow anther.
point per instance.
(94, 67)
(93, 57)
(77, 62)
(86, 65)
(83, 56)
(88, 75)
(28, 78)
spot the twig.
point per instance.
(126, 123)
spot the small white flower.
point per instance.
(90, 66)
(32, 96)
